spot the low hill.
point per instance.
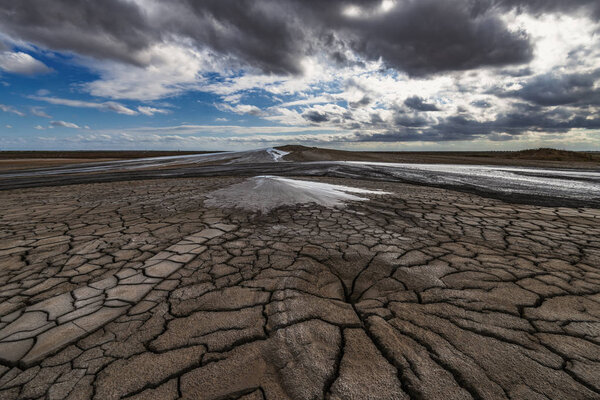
(542, 157)
(553, 155)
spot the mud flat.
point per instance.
(156, 289)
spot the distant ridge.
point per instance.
(542, 157)
(546, 153)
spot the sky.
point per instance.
(357, 75)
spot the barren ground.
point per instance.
(139, 290)
(548, 158)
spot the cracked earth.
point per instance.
(142, 290)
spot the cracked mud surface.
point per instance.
(139, 290)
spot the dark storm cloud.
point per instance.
(555, 89)
(417, 103)
(429, 36)
(112, 29)
(315, 116)
(262, 33)
(481, 104)
(364, 101)
(516, 73)
(524, 118)
(410, 120)
(376, 119)
(420, 37)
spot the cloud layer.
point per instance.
(376, 70)
(420, 37)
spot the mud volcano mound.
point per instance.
(264, 193)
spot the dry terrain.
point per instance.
(15, 160)
(147, 290)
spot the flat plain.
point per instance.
(143, 287)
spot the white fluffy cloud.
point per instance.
(150, 111)
(39, 112)
(104, 106)
(11, 109)
(174, 68)
(239, 108)
(22, 63)
(64, 124)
